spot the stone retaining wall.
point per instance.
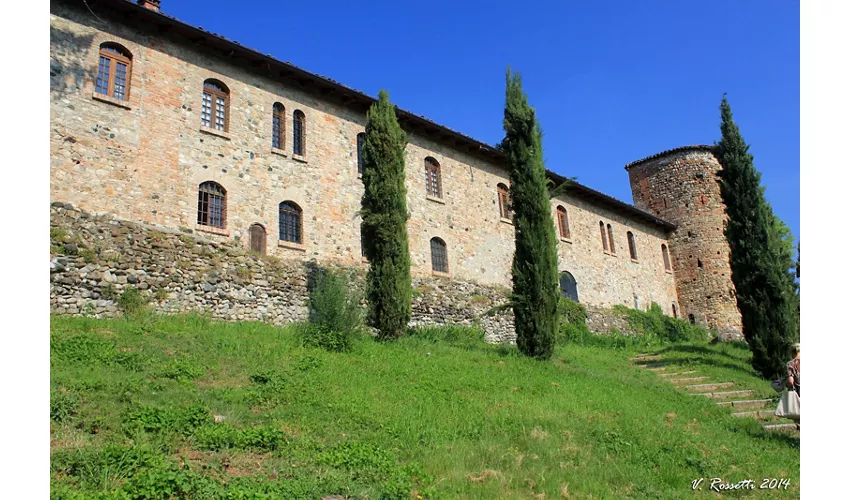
(96, 257)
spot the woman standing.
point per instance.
(793, 368)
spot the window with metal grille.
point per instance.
(666, 256)
(604, 238)
(569, 287)
(215, 106)
(611, 239)
(505, 211)
(257, 234)
(433, 183)
(632, 245)
(277, 126)
(290, 222)
(439, 257)
(361, 139)
(563, 222)
(298, 133)
(113, 71)
(212, 205)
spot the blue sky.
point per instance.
(612, 82)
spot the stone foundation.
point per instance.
(96, 257)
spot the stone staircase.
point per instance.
(740, 402)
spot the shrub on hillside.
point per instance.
(655, 323)
(336, 317)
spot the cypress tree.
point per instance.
(535, 262)
(759, 257)
(384, 213)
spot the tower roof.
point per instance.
(681, 149)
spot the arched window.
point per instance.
(215, 106)
(563, 222)
(439, 256)
(113, 71)
(290, 222)
(212, 205)
(604, 237)
(675, 311)
(257, 235)
(505, 211)
(278, 126)
(666, 256)
(298, 133)
(569, 287)
(433, 183)
(632, 245)
(611, 239)
(361, 139)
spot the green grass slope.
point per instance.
(133, 406)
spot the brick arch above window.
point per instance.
(215, 105)
(113, 71)
(433, 178)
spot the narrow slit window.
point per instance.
(215, 106)
(611, 239)
(666, 256)
(563, 223)
(439, 256)
(113, 71)
(675, 310)
(212, 205)
(290, 222)
(604, 237)
(278, 126)
(361, 140)
(298, 133)
(632, 245)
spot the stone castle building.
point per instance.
(162, 123)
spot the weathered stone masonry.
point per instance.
(184, 272)
(143, 160)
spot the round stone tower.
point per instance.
(681, 185)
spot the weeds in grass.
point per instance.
(63, 405)
(132, 301)
(336, 318)
(58, 234)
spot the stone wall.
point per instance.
(96, 257)
(144, 159)
(682, 187)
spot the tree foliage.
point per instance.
(535, 262)
(384, 213)
(761, 254)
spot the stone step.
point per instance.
(746, 403)
(757, 414)
(674, 374)
(641, 359)
(656, 367)
(727, 394)
(687, 380)
(780, 427)
(709, 387)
